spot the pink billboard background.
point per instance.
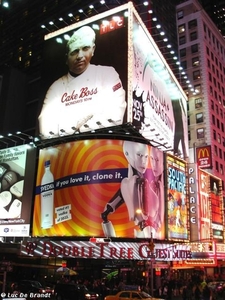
(98, 187)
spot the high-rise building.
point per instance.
(215, 9)
(202, 54)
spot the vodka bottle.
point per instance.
(47, 197)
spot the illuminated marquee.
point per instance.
(111, 250)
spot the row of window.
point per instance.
(219, 111)
(219, 167)
(218, 123)
(192, 37)
(213, 39)
(208, 33)
(221, 154)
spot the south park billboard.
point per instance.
(100, 187)
(107, 71)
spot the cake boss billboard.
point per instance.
(17, 179)
(85, 76)
(91, 82)
(110, 188)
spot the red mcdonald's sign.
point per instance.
(204, 157)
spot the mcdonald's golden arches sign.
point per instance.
(204, 157)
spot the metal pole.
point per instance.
(152, 255)
(151, 246)
(152, 277)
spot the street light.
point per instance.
(151, 247)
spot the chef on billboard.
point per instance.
(88, 97)
(144, 199)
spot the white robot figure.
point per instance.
(139, 195)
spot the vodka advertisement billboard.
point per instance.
(17, 175)
(100, 188)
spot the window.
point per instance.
(214, 134)
(194, 48)
(200, 133)
(189, 135)
(196, 75)
(217, 166)
(198, 103)
(182, 40)
(135, 295)
(211, 90)
(125, 295)
(208, 63)
(199, 118)
(195, 61)
(181, 28)
(180, 14)
(215, 149)
(197, 88)
(184, 64)
(218, 123)
(192, 24)
(193, 36)
(204, 25)
(210, 77)
(219, 138)
(213, 120)
(182, 52)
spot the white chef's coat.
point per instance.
(85, 102)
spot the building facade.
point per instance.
(202, 55)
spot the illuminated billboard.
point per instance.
(216, 199)
(17, 167)
(159, 103)
(177, 201)
(107, 71)
(85, 76)
(204, 157)
(100, 188)
(193, 201)
(205, 211)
